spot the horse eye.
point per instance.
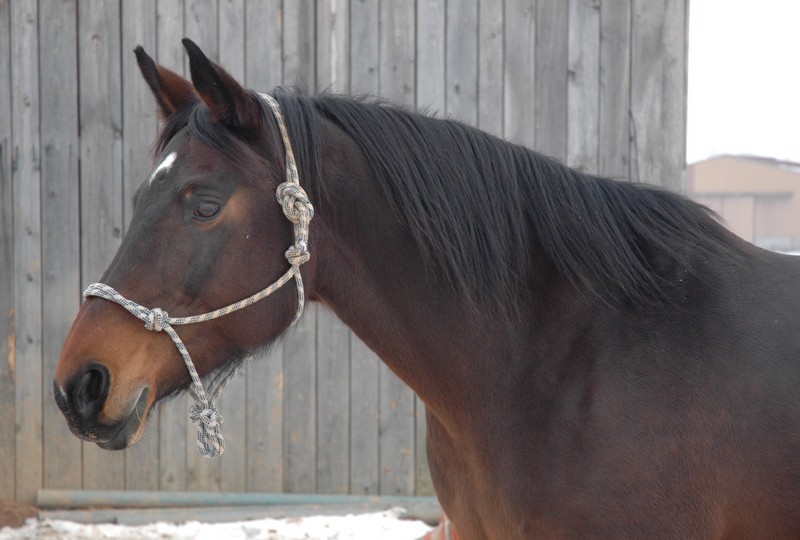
(206, 209)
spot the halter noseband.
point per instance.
(297, 209)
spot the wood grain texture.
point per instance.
(550, 96)
(583, 87)
(8, 450)
(615, 88)
(364, 46)
(658, 92)
(462, 61)
(333, 46)
(430, 53)
(300, 404)
(519, 72)
(299, 44)
(60, 221)
(333, 404)
(26, 177)
(490, 66)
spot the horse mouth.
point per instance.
(119, 435)
(130, 429)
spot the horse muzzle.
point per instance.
(82, 399)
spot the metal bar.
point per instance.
(69, 498)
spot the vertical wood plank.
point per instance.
(233, 463)
(138, 131)
(60, 203)
(430, 55)
(172, 414)
(397, 61)
(423, 483)
(365, 369)
(519, 71)
(7, 313)
(397, 83)
(101, 179)
(615, 88)
(265, 376)
(583, 90)
(232, 402)
(300, 405)
(299, 46)
(364, 46)
(333, 45)
(490, 66)
(200, 25)
(658, 92)
(333, 403)
(364, 364)
(551, 78)
(462, 61)
(26, 178)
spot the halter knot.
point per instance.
(294, 201)
(298, 254)
(156, 319)
(205, 414)
(208, 420)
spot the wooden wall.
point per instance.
(597, 83)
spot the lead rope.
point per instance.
(297, 209)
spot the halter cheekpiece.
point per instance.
(297, 209)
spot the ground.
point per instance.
(387, 525)
(14, 514)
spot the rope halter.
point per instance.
(299, 210)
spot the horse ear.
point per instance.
(229, 102)
(170, 89)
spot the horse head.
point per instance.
(205, 232)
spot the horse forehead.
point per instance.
(163, 167)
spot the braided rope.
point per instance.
(298, 209)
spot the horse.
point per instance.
(598, 358)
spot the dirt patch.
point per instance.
(13, 514)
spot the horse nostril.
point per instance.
(89, 391)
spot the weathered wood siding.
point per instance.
(599, 84)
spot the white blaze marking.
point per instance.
(164, 166)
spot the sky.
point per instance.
(744, 79)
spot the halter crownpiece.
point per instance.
(298, 209)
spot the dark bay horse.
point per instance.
(599, 359)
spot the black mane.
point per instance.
(477, 205)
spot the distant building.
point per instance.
(759, 198)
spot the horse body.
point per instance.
(654, 392)
(587, 421)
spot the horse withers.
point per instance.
(598, 359)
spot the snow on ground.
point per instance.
(381, 525)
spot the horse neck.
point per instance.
(370, 272)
